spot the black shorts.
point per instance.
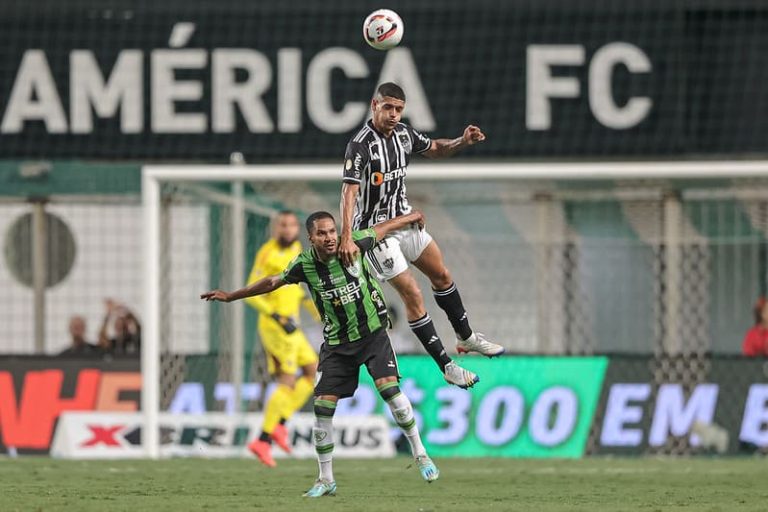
(339, 367)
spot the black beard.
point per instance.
(283, 242)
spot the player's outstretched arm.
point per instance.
(444, 148)
(384, 228)
(347, 249)
(260, 287)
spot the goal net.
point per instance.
(663, 258)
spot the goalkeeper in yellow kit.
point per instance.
(286, 346)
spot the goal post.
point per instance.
(551, 257)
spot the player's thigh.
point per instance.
(379, 357)
(281, 350)
(337, 372)
(386, 260)
(414, 242)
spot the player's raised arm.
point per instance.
(384, 228)
(444, 148)
(347, 249)
(260, 287)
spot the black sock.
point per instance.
(424, 329)
(450, 302)
(265, 437)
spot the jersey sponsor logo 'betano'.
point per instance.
(379, 178)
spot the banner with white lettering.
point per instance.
(682, 405)
(196, 81)
(522, 407)
(92, 435)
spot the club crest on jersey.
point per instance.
(389, 263)
(375, 150)
(354, 269)
(405, 142)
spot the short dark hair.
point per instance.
(392, 90)
(286, 212)
(317, 216)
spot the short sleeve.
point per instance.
(421, 142)
(355, 162)
(294, 273)
(364, 239)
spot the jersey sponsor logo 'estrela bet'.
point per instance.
(347, 298)
(342, 295)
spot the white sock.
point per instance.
(403, 414)
(322, 434)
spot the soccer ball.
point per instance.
(383, 29)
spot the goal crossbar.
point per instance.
(474, 171)
(154, 175)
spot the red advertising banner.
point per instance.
(34, 391)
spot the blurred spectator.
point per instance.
(79, 345)
(126, 328)
(756, 340)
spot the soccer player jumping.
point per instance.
(352, 306)
(375, 166)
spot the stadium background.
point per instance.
(655, 278)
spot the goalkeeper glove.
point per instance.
(287, 323)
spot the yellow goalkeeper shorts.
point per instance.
(286, 353)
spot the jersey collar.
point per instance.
(317, 258)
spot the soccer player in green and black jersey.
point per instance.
(355, 316)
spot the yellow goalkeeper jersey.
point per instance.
(271, 260)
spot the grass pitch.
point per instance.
(42, 484)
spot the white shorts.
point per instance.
(392, 255)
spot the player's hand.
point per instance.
(419, 218)
(286, 322)
(473, 135)
(219, 295)
(348, 251)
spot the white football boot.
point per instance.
(478, 343)
(455, 374)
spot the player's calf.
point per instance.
(425, 331)
(402, 412)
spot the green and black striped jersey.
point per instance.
(349, 299)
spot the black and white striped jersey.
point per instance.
(379, 165)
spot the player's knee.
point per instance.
(324, 408)
(388, 390)
(287, 379)
(442, 279)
